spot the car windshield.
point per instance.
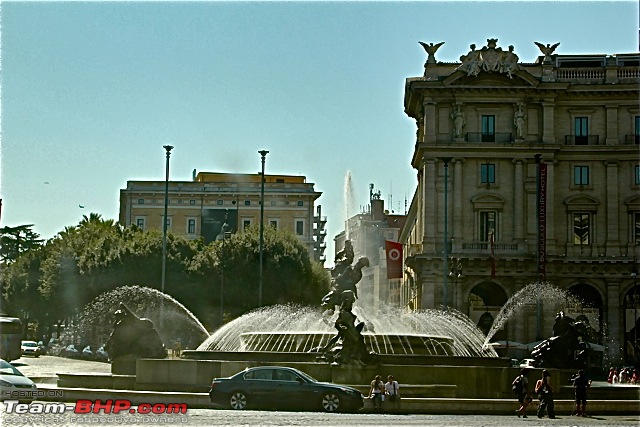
(7, 369)
(29, 344)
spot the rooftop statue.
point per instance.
(547, 50)
(431, 50)
(490, 59)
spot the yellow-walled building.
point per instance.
(200, 207)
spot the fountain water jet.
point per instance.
(96, 321)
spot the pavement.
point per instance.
(43, 370)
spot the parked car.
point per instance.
(279, 387)
(30, 348)
(101, 354)
(71, 352)
(14, 385)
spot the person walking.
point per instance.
(545, 394)
(519, 386)
(581, 383)
(376, 394)
(392, 394)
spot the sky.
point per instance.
(91, 91)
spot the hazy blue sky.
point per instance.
(92, 91)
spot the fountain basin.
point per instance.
(302, 342)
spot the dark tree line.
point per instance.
(50, 282)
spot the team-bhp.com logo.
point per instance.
(83, 406)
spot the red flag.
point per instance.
(394, 259)
(493, 259)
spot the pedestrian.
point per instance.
(519, 386)
(376, 394)
(545, 394)
(392, 394)
(581, 383)
(610, 377)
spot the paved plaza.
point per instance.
(44, 369)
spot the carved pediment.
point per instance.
(581, 203)
(633, 204)
(487, 201)
(519, 78)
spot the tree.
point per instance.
(289, 276)
(16, 240)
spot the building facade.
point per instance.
(367, 232)
(494, 135)
(200, 207)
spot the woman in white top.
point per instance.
(377, 392)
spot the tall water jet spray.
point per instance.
(348, 200)
(95, 323)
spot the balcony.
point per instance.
(499, 137)
(581, 140)
(632, 139)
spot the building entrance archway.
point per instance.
(485, 302)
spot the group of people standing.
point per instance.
(624, 376)
(544, 392)
(385, 396)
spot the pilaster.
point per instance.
(548, 122)
(518, 200)
(613, 321)
(612, 240)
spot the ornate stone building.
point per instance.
(472, 228)
(200, 207)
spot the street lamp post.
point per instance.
(263, 155)
(445, 296)
(456, 273)
(168, 149)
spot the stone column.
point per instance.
(429, 194)
(457, 205)
(612, 125)
(518, 201)
(548, 134)
(612, 240)
(429, 121)
(614, 321)
(428, 284)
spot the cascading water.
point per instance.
(170, 318)
(302, 328)
(549, 295)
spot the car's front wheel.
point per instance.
(238, 400)
(330, 402)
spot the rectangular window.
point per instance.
(246, 224)
(299, 227)
(581, 228)
(191, 226)
(636, 228)
(488, 173)
(247, 202)
(140, 223)
(300, 203)
(192, 202)
(274, 223)
(637, 130)
(219, 202)
(141, 201)
(487, 225)
(581, 130)
(637, 177)
(488, 128)
(581, 175)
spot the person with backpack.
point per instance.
(545, 394)
(519, 387)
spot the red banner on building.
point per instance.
(394, 259)
(542, 221)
